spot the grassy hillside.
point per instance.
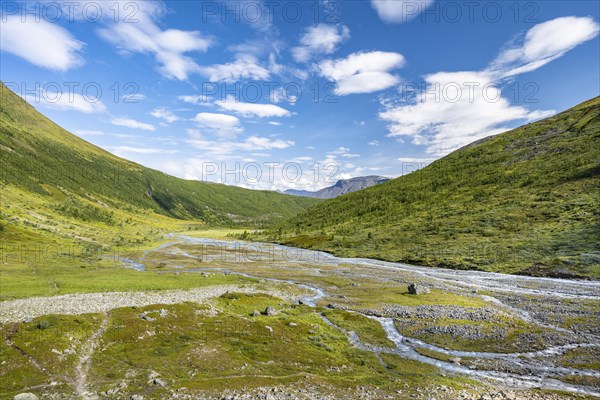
(40, 157)
(526, 201)
(69, 209)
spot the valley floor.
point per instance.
(273, 322)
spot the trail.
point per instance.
(85, 360)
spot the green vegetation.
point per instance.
(192, 346)
(523, 202)
(85, 182)
(72, 211)
(369, 331)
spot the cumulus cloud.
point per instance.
(399, 11)
(41, 43)
(245, 66)
(319, 39)
(164, 114)
(457, 108)
(132, 123)
(168, 47)
(222, 125)
(366, 72)
(252, 109)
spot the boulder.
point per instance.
(270, 311)
(256, 313)
(146, 317)
(153, 375)
(417, 289)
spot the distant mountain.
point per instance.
(341, 187)
(524, 202)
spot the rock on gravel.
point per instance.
(417, 289)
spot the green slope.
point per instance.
(41, 157)
(526, 201)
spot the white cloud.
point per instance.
(67, 102)
(399, 11)
(374, 143)
(195, 99)
(363, 72)
(275, 123)
(543, 43)
(342, 152)
(132, 123)
(222, 125)
(252, 109)
(319, 39)
(133, 98)
(250, 144)
(41, 43)
(164, 114)
(457, 108)
(245, 66)
(169, 47)
(444, 123)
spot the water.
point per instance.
(538, 362)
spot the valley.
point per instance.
(343, 326)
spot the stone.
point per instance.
(159, 382)
(25, 396)
(256, 313)
(153, 375)
(455, 360)
(136, 397)
(417, 289)
(146, 317)
(270, 311)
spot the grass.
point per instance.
(70, 210)
(522, 202)
(582, 358)
(192, 348)
(369, 331)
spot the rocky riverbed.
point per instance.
(523, 334)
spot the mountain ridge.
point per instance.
(341, 187)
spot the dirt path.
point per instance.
(85, 360)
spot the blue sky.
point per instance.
(297, 93)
